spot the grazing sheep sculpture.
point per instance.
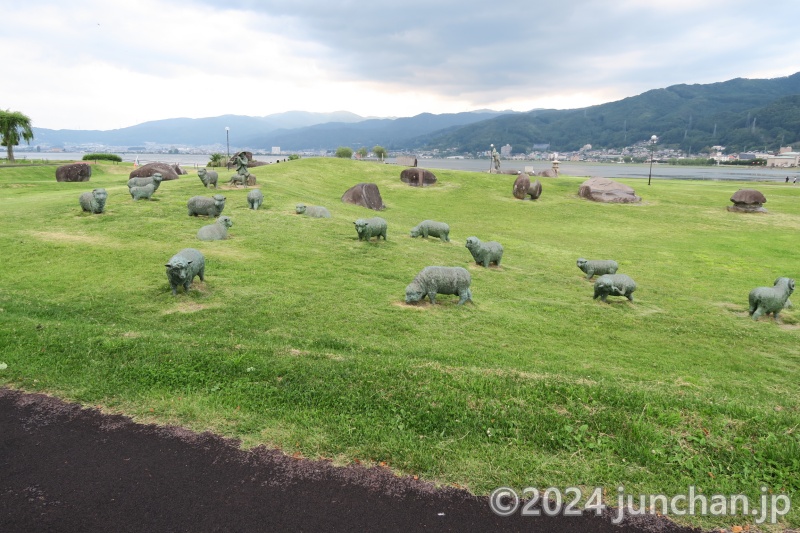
(313, 211)
(431, 228)
(206, 206)
(183, 267)
(371, 227)
(255, 198)
(614, 285)
(218, 231)
(766, 300)
(435, 280)
(94, 202)
(145, 191)
(597, 267)
(155, 180)
(208, 177)
(485, 253)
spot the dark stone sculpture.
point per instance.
(206, 206)
(431, 228)
(598, 267)
(607, 191)
(417, 177)
(485, 253)
(748, 201)
(535, 190)
(614, 285)
(435, 280)
(255, 198)
(371, 227)
(74, 172)
(218, 231)
(144, 192)
(183, 267)
(178, 170)
(766, 300)
(548, 173)
(94, 202)
(167, 172)
(313, 211)
(155, 180)
(523, 187)
(366, 195)
(208, 177)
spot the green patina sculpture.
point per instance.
(94, 202)
(485, 253)
(766, 300)
(614, 285)
(218, 231)
(155, 180)
(435, 280)
(255, 198)
(371, 227)
(208, 177)
(313, 211)
(144, 192)
(597, 267)
(206, 206)
(242, 174)
(183, 267)
(431, 228)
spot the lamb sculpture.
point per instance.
(155, 180)
(94, 202)
(766, 300)
(208, 177)
(143, 192)
(313, 211)
(431, 228)
(614, 285)
(371, 227)
(218, 231)
(435, 280)
(255, 198)
(598, 267)
(485, 253)
(206, 206)
(183, 267)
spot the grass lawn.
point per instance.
(299, 337)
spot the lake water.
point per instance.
(567, 168)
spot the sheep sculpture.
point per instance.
(431, 228)
(218, 231)
(255, 198)
(313, 211)
(94, 202)
(371, 227)
(143, 192)
(614, 285)
(766, 300)
(183, 267)
(206, 206)
(155, 180)
(208, 177)
(435, 280)
(597, 267)
(485, 253)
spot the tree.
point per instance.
(216, 159)
(380, 152)
(345, 152)
(362, 152)
(13, 127)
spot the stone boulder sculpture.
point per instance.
(165, 169)
(178, 170)
(766, 300)
(94, 202)
(607, 191)
(366, 195)
(485, 253)
(548, 173)
(206, 206)
(255, 198)
(417, 177)
(154, 180)
(74, 172)
(748, 201)
(183, 267)
(523, 187)
(371, 227)
(431, 228)
(435, 280)
(614, 285)
(597, 267)
(313, 211)
(208, 177)
(218, 231)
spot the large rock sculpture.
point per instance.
(178, 170)
(313, 211)
(435, 280)
(485, 253)
(371, 227)
(766, 300)
(165, 169)
(74, 172)
(183, 267)
(431, 228)
(523, 187)
(614, 285)
(608, 191)
(417, 177)
(748, 201)
(94, 202)
(598, 267)
(548, 173)
(366, 195)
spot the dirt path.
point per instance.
(65, 468)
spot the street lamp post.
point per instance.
(653, 141)
(228, 142)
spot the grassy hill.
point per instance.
(299, 337)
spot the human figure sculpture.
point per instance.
(495, 160)
(242, 174)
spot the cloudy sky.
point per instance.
(105, 64)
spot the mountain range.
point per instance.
(739, 114)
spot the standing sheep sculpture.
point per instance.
(431, 228)
(218, 231)
(206, 206)
(208, 177)
(313, 211)
(614, 285)
(155, 180)
(597, 267)
(485, 253)
(183, 267)
(143, 192)
(94, 202)
(435, 280)
(371, 227)
(255, 198)
(766, 300)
